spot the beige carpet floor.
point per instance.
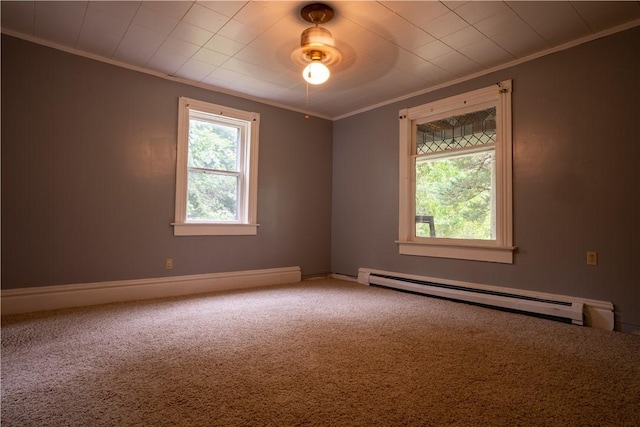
(320, 352)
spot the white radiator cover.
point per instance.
(581, 311)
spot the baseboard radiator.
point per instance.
(576, 310)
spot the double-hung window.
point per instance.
(217, 170)
(455, 177)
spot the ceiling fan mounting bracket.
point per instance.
(317, 13)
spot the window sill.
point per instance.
(500, 254)
(203, 229)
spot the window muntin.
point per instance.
(455, 177)
(216, 171)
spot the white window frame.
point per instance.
(499, 250)
(247, 203)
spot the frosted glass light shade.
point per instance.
(316, 73)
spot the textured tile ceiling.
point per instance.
(389, 49)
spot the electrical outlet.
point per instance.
(168, 263)
(592, 258)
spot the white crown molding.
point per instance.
(528, 58)
(120, 64)
(510, 64)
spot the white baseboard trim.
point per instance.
(344, 277)
(26, 300)
(595, 313)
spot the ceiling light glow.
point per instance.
(316, 73)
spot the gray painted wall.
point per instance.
(576, 180)
(88, 177)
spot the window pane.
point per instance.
(454, 197)
(213, 146)
(465, 130)
(212, 197)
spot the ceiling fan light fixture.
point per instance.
(316, 44)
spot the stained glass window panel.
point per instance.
(462, 131)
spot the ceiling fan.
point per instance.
(317, 50)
